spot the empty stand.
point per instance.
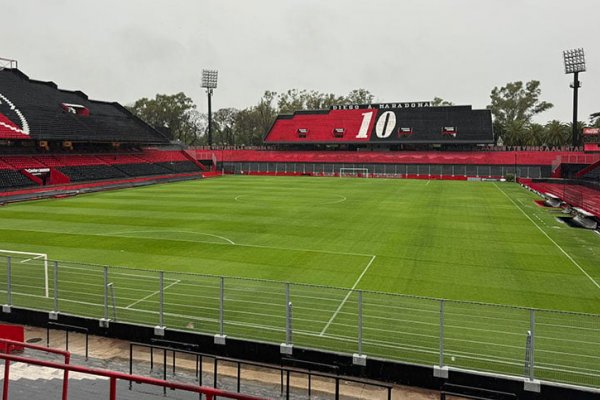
(36, 110)
(14, 179)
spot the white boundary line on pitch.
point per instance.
(549, 238)
(172, 231)
(152, 294)
(347, 296)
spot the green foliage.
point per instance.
(515, 102)
(595, 120)
(439, 102)
(171, 112)
(513, 106)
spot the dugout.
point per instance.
(552, 200)
(584, 218)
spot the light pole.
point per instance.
(209, 82)
(574, 64)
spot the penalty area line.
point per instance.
(347, 296)
(549, 238)
(152, 294)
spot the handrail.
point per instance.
(287, 369)
(113, 376)
(66, 328)
(14, 343)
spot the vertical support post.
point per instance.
(161, 277)
(105, 293)
(360, 358)
(113, 388)
(222, 307)
(9, 282)
(531, 352)
(287, 347)
(209, 92)
(6, 379)
(288, 316)
(54, 313)
(360, 323)
(575, 95)
(442, 333)
(441, 371)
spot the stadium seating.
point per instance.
(384, 123)
(575, 195)
(92, 172)
(13, 179)
(48, 113)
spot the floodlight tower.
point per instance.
(209, 82)
(574, 64)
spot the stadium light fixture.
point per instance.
(209, 82)
(574, 64)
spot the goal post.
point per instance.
(354, 172)
(26, 257)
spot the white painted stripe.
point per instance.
(347, 296)
(550, 239)
(152, 294)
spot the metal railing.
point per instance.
(113, 376)
(553, 346)
(284, 371)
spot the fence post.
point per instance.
(532, 350)
(286, 348)
(221, 338)
(54, 314)
(105, 293)
(441, 371)
(360, 358)
(221, 306)
(530, 384)
(442, 333)
(159, 330)
(6, 307)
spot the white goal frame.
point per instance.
(34, 256)
(355, 171)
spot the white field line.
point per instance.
(152, 294)
(347, 296)
(171, 231)
(550, 239)
(228, 243)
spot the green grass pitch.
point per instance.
(465, 241)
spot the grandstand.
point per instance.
(50, 136)
(390, 125)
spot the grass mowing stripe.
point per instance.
(549, 238)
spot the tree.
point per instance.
(515, 102)
(171, 112)
(439, 102)
(595, 120)
(557, 133)
(224, 126)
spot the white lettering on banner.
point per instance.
(385, 125)
(364, 126)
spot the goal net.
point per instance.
(354, 172)
(25, 270)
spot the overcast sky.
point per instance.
(400, 50)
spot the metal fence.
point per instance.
(547, 345)
(389, 170)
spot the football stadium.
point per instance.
(345, 248)
(418, 267)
